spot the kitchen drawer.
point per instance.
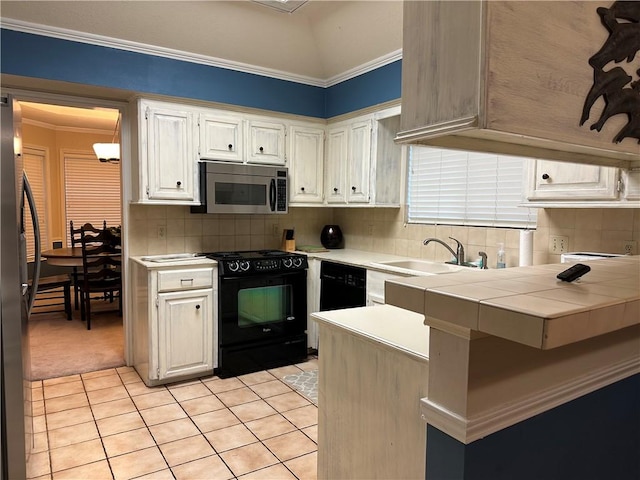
(171, 280)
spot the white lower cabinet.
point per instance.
(185, 336)
(375, 286)
(174, 320)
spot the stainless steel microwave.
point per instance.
(241, 188)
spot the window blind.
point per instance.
(466, 188)
(92, 191)
(34, 166)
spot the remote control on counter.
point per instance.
(574, 272)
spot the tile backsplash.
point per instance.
(596, 230)
(158, 230)
(173, 229)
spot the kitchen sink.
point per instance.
(419, 267)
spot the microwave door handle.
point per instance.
(272, 194)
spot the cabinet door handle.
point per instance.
(230, 147)
(335, 189)
(178, 183)
(353, 188)
(545, 176)
(302, 189)
(184, 281)
(261, 149)
(197, 307)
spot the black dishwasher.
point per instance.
(342, 286)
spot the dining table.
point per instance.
(65, 257)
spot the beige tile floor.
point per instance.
(109, 425)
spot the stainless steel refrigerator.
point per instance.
(16, 298)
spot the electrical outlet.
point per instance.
(162, 232)
(558, 244)
(275, 229)
(630, 247)
(370, 230)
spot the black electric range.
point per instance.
(257, 262)
(262, 310)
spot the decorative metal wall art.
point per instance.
(620, 92)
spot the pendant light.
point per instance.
(109, 152)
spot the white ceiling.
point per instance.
(58, 116)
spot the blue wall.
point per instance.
(30, 55)
(593, 437)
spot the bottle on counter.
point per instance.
(500, 258)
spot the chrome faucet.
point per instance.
(483, 255)
(458, 254)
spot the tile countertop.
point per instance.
(528, 305)
(359, 258)
(347, 256)
(184, 260)
(371, 261)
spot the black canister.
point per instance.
(331, 236)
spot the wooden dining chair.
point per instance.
(75, 234)
(101, 270)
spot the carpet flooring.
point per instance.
(59, 347)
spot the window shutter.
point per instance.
(34, 162)
(466, 188)
(92, 191)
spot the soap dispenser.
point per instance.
(500, 258)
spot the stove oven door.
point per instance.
(262, 308)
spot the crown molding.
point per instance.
(364, 68)
(103, 41)
(57, 128)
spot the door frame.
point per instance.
(125, 180)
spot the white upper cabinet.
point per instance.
(241, 138)
(363, 164)
(348, 160)
(559, 180)
(306, 154)
(631, 186)
(335, 165)
(386, 170)
(166, 154)
(358, 162)
(266, 142)
(514, 78)
(552, 184)
(221, 137)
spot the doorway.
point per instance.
(74, 185)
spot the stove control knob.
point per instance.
(233, 266)
(287, 262)
(244, 266)
(297, 262)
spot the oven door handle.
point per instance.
(272, 194)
